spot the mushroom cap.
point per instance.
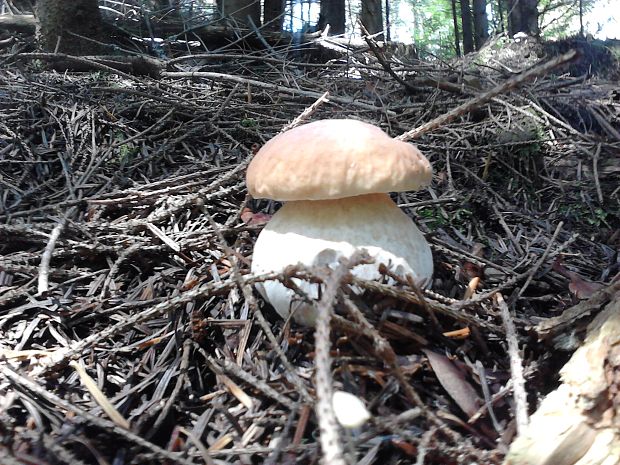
(332, 159)
(318, 233)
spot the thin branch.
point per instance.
(331, 444)
(46, 258)
(480, 100)
(516, 365)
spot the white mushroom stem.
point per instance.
(318, 232)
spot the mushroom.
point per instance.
(334, 176)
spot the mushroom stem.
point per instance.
(318, 232)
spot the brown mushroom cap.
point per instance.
(333, 159)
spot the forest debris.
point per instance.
(383, 348)
(101, 423)
(23, 355)
(161, 235)
(577, 424)
(127, 66)
(275, 88)
(435, 306)
(222, 442)
(542, 259)
(558, 327)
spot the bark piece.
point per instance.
(578, 423)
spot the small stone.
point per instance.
(350, 410)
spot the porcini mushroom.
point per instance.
(334, 176)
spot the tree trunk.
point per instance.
(529, 16)
(273, 14)
(455, 20)
(481, 23)
(514, 17)
(500, 13)
(332, 13)
(61, 22)
(388, 32)
(240, 10)
(523, 17)
(466, 24)
(372, 17)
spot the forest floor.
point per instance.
(129, 328)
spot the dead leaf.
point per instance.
(405, 447)
(452, 380)
(176, 442)
(581, 288)
(254, 219)
(470, 270)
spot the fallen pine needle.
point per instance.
(98, 396)
(236, 391)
